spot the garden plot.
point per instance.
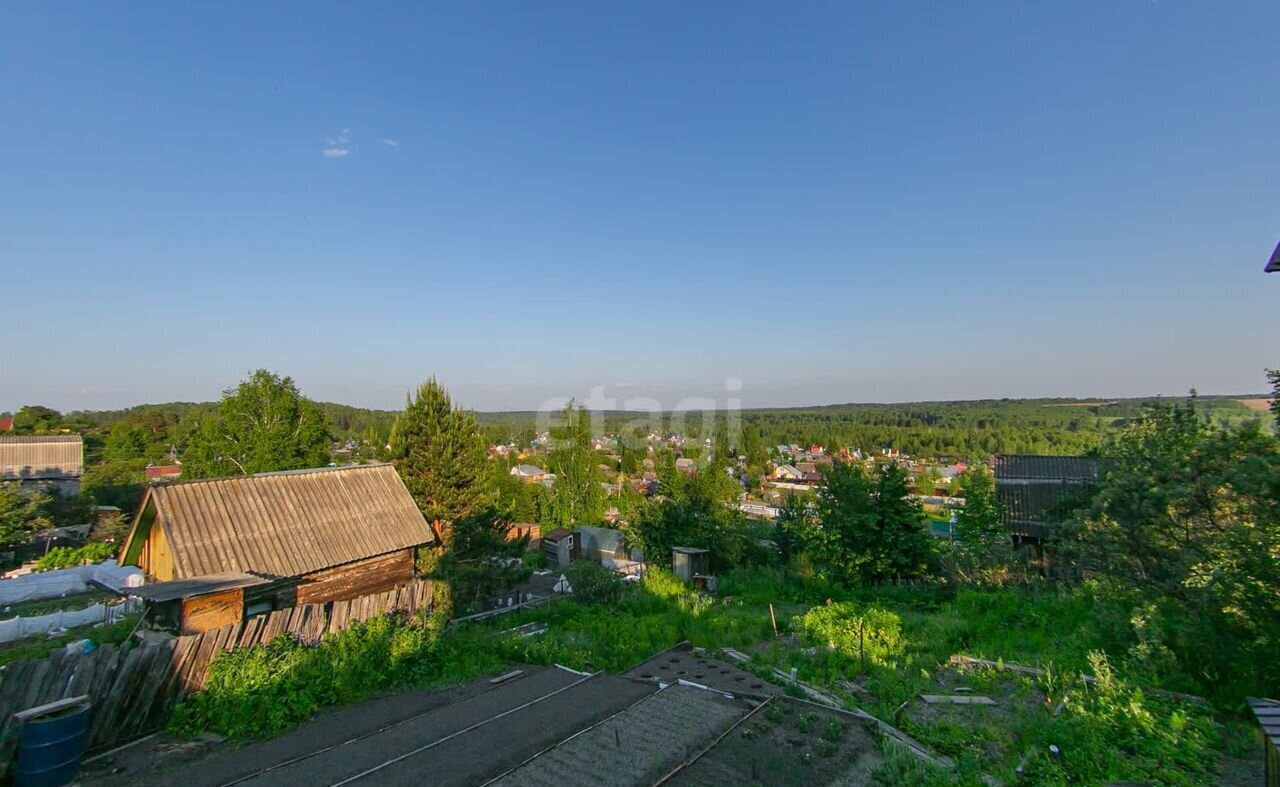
(788, 742)
(974, 710)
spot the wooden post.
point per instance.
(773, 620)
(862, 659)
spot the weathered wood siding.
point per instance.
(156, 559)
(212, 611)
(360, 578)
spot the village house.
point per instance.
(225, 548)
(6, 423)
(530, 474)
(53, 462)
(786, 473)
(163, 472)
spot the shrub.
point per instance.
(534, 559)
(68, 557)
(867, 634)
(259, 691)
(593, 583)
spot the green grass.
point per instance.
(1107, 731)
(260, 691)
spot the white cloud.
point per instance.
(338, 145)
(391, 143)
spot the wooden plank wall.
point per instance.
(213, 610)
(134, 686)
(373, 575)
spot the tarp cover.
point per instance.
(21, 628)
(65, 581)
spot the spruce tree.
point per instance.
(440, 454)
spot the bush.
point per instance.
(853, 632)
(259, 691)
(593, 583)
(534, 559)
(68, 557)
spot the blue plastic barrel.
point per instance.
(51, 746)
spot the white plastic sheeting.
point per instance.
(65, 581)
(21, 628)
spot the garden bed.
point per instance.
(789, 743)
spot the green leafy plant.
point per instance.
(67, 557)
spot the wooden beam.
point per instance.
(50, 707)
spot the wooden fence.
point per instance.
(135, 685)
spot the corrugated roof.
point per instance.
(197, 586)
(1049, 468)
(41, 456)
(1268, 713)
(287, 524)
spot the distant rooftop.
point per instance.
(41, 456)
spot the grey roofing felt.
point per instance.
(681, 663)
(636, 747)
(1268, 714)
(196, 586)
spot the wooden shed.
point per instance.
(686, 562)
(561, 547)
(189, 606)
(306, 536)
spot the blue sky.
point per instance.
(830, 202)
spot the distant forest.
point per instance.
(963, 429)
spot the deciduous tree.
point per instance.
(262, 425)
(865, 528)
